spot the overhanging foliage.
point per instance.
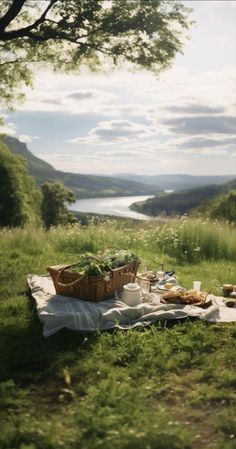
(65, 35)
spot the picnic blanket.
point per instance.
(57, 312)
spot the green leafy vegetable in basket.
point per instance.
(103, 262)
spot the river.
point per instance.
(118, 206)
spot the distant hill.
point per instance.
(84, 186)
(176, 181)
(223, 206)
(183, 201)
(89, 186)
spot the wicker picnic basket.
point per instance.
(91, 288)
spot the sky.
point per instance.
(183, 122)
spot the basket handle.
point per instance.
(61, 284)
(69, 266)
(76, 263)
(123, 266)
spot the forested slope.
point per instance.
(82, 185)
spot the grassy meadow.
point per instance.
(171, 385)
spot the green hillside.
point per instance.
(183, 201)
(222, 206)
(84, 186)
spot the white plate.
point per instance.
(161, 285)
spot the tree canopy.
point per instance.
(67, 34)
(22, 203)
(19, 198)
(53, 208)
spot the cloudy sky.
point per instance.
(185, 122)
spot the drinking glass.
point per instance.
(197, 286)
(161, 275)
(145, 286)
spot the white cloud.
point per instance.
(175, 87)
(178, 86)
(194, 109)
(9, 129)
(113, 131)
(202, 125)
(26, 138)
(106, 162)
(200, 145)
(69, 101)
(205, 151)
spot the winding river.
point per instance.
(118, 206)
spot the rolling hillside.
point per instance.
(89, 186)
(183, 201)
(223, 206)
(176, 181)
(84, 186)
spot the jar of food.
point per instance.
(227, 289)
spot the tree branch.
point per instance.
(12, 12)
(63, 36)
(24, 32)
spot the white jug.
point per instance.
(131, 294)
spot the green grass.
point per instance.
(168, 386)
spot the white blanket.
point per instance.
(57, 312)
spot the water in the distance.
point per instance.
(118, 206)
